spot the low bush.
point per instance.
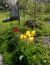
(31, 53)
(19, 58)
(11, 47)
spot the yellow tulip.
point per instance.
(33, 33)
(27, 33)
(22, 36)
(31, 39)
(25, 36)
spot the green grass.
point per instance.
(6, 27)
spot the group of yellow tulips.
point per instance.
(28, 35)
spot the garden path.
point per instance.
(46, 39)
(1, 59)
(48, 22)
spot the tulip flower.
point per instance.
(27, 33)
(33, 33)
(25, 36)
(22, 36)
(15, 30)
(31, 39)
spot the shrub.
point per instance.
(11, 47)
(11, 38)
(30, 53)
(12, 44)
(1, 41)
(19, 58)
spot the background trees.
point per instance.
(35, 8)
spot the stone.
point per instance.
(31, 23)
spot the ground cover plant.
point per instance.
(24, 45)
(26, 51)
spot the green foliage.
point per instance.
(39, 32)
(22, 52)
(30, 53)
(11, 47)
(1, 41)
(19, 58)
(7, 58)
(23, 29)
(12, 44)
